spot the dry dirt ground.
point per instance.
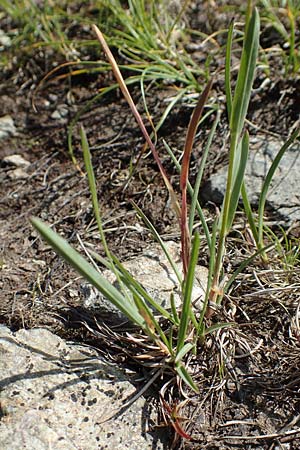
(249, 375)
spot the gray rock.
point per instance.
(284, 195)
(18, 174)
(19, 164)
(7, 127)
(60, 113)
(56, 395)
(154, 272)
(16, 161)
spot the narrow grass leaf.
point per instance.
(138, 118)
(93, 188)
(228, 69)
(133, 286)
(152, 325)
(238, 114)
(218, 326)
(156, 235)
(177, 19)
(200, 171)
(239, 177)
(267, 182)
(188, 289)
(186, 377)
(191, 132)
(246, 75)
(245, 264)
(191, 193)
(95, 203)
(131, 283)
(211, 271)
(174, 309)
(85, 269)
(185, 349)
(249, 214)
(170, 106)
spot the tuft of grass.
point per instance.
(151, 40)
(284, 17)
(179, 333)
(39, 26)
(287, 249)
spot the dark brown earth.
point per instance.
(258, 392)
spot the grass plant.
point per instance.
(179, 333)
(38, 27)
(284, 17)
(150, 38)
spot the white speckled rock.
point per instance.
(56, 395)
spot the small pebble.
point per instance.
(60, 113)
(7, 127)
(18, 174)
(16, 161)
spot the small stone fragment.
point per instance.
(18, 174)
(7, 127)
(61, 112)
(16, 161)
(5, 40)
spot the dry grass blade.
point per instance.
(191, 132)
(138, 118)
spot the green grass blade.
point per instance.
(266, 185)
(238, 114)
(186, 377)
(228, 70)
(245, 264)
(218, 326)
(129, 281)
(246, 75)
(93, 188)
(71, 256)
(170, 106)
(185, 349)
(211, 270)
(188, 289)
(174, 309)
(239, 177)
(151, 324)
(200, 171)
(95, 203)
(191, 193)
(160, 241)
(249, 214)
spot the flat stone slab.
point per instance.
(57, 395)
(284, 194)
